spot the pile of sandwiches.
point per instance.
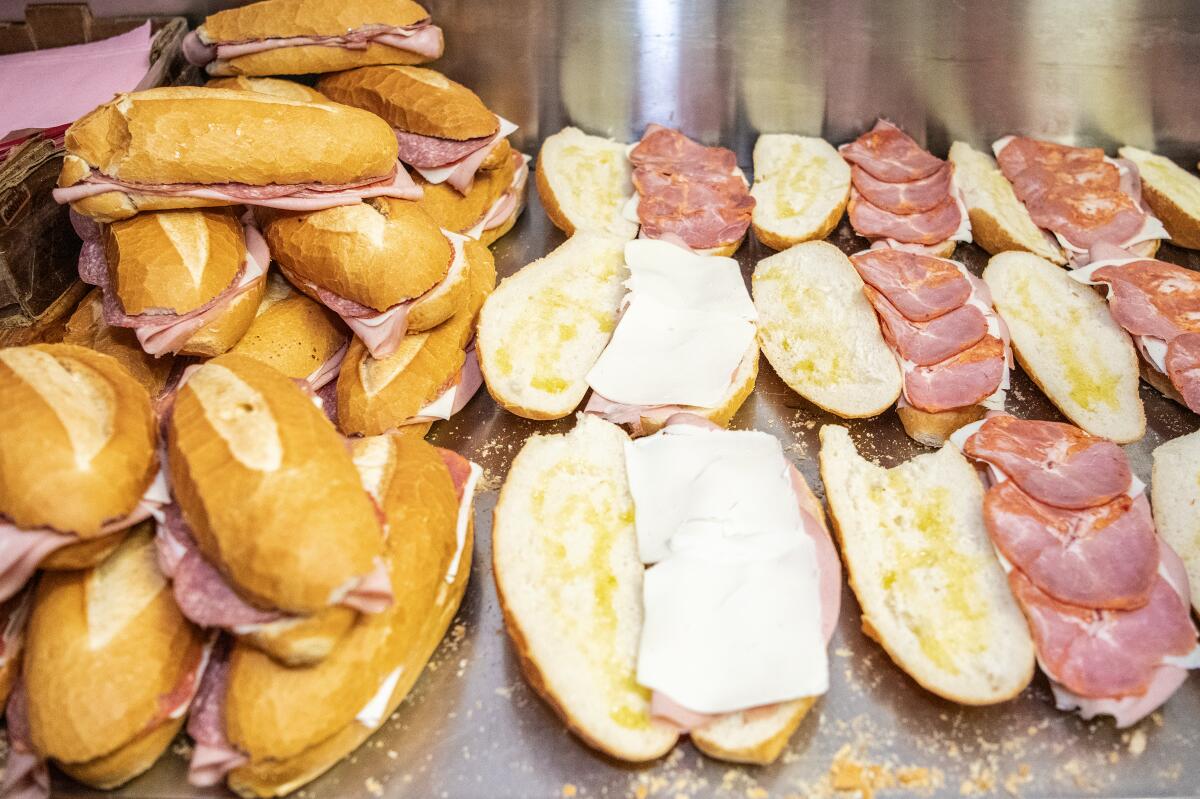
(217, 501)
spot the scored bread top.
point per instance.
(283, 18)
(377, 253)
(77, 438)
(268, 488)
(105, 643)
(292, 333)
(174, 260)
(87, 328)
(277, 712)
(414, 99)
(191, 134)
(287, 89)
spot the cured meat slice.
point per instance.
(1054, 463)
(1104, 557)
(927, 343)
(1106, 653)
(1020, 154)
(890, 154)
(213, 755)
(422, 38)
(427, 152)
(930, 227)
(664, 149)
(920, 287)
(1183, 367)
(910, 197)
(966, 379)
(1153, 298)
(26, 775)
(1084, 215)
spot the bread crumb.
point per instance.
(756, 793)
(1014, 781)
(1137, 743)
(373, 786)
(982, 780)
(850, 775)
(569, 790)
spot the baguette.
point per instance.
(1176, 502)
(584, 182)
(921, 564)
(801, 187)
(1173, 194)
(461, 212)
(108, 644)
(86, 328)
(291, 332)
(820, 334)
(543, 328)
(999, 221)
(1068, 343)
(287, 89)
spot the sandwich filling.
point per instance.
(422, 38)
(441, 160)
(507, 203)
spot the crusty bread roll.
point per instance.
(414, 100)
(999, 221)
(584, 182)
(801, 187)
(461, 212)
(375, 395)
(287, 89)
(377, 253)
(1068, 343)
(544, 327)
(820, 333)
(922, 566)
(228, 328)
(77, 439)
(292, 333)
(1173, 194)
(267, 487)
(191, 134)
(86, 327)
(575, 628)
(103, 647)
(288, 18)
(934, 429)
(297, 723)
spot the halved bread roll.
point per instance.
(819, 332)
(1068, 343)
(1173, 194)
(999, 221)
(544, 327)
(1176, 500)
(922, 566)
(584, 182)
(801, 186)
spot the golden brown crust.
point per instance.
(992, 236)
(459, 212)
(292, 333)
(778, 242)
(136, 757)
(934, 429)
(311, 59)
(377, 253)
(229, 327)
(550, 203)
(288, 89)
(283, 18)
(83, 555)
(113, 206)
(96, 411)
(249, 452)
(87, 328)
(304, 640)
(763, 752)
(1160, 382)
(231, 137)
(489, 237)
(1183, 226)
(414, 100)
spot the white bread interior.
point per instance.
(819, 332)
(801, 186)
(1068, 343)
(922, 566)
(543, 328)
(1175, 497)
(564, 556)
(999, 221)
(1173, 194)
(584, 182)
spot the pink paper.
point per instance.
(47, 88)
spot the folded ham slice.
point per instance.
(460, 173)
(290, 197)
(423, 38)
(328, 371)
(457, 395)
(506, 204)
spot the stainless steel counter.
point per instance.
(1104, 72)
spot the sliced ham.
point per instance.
(936, 225)
(422, 38)
(1152, 298)
(369, 593)
(213, 756)
(26, 775)
(968, 378)
(328, 371)
(506, 204)
(664, 149)
(290, 197)
(465, 385)
(909, 197)
(927, 343)
(460, 174)
(1055, 463)
(1104, 557)
(1127, 710)
(889, 154)
(1183, 368)
(920, 287)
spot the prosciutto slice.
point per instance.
(920, 287)
(423, 38)
(1104, 557)
(290, 197)
(1057, 464)
(213, 755)
(889, 154)
(1152, 298)
(927, 228)
(910, 197)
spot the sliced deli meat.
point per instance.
(1183, 367)
(422, 38)
(920, 287)
(213, 756)
(910, 197)
(889, 154)
(927, 228)
(968, 378)
(460, 172)
(927, 343)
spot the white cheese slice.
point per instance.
(687, 480)
(687, 280)
(373, 713)
(730, 626)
